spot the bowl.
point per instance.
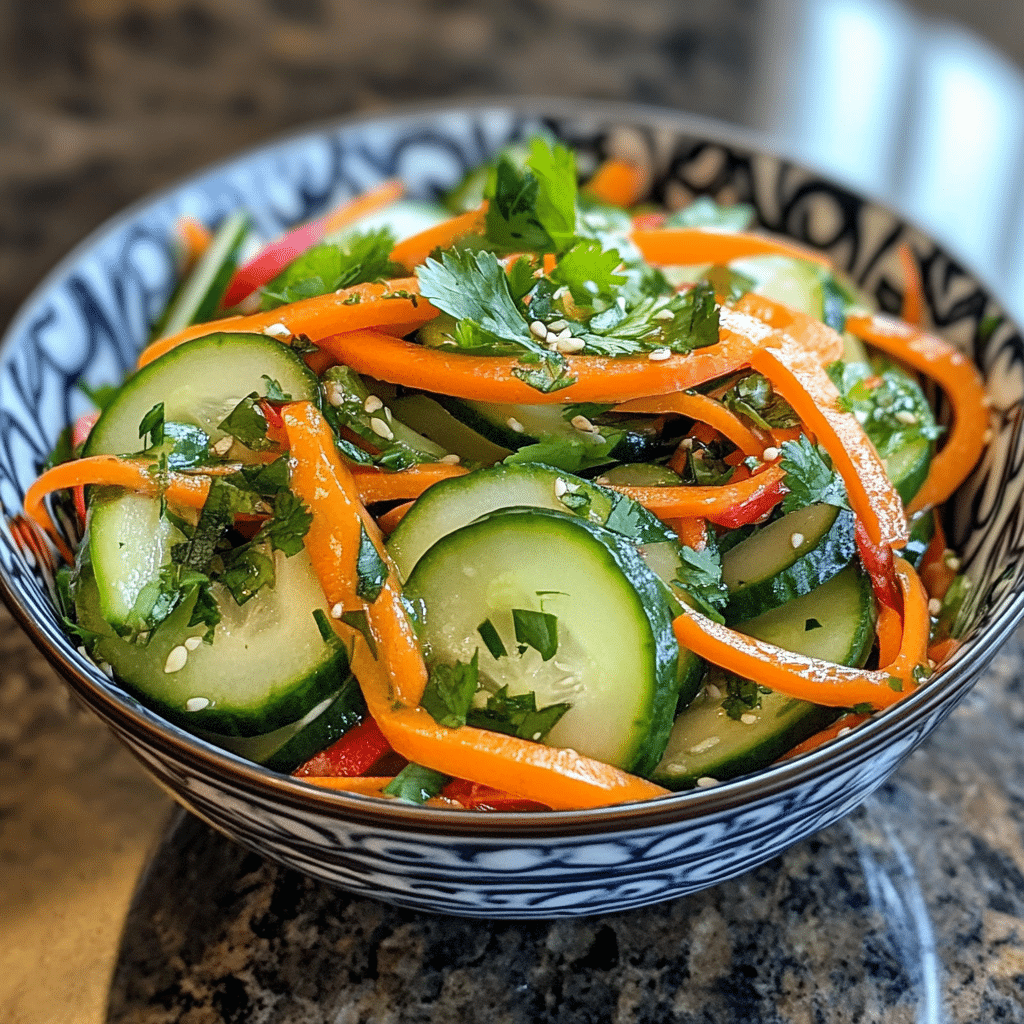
(89, 318)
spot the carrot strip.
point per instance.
(275, 256)
(963, 385)
(682, 246)
(803, 382)
(413, 251)
(390, 520)
(350, 309)
(380, 485)
(195, 240)
(913, 288)
(179, 488)
(935, 571)
(721, 505)
(692, 531)
(819, 739)
(700, 407)
(393, 680)
(811, 679)
(813, 337)
(617, 182)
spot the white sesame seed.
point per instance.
(551, 339)
(748, 719)
(713, 691)
(537, 736)
(277, 331)
(372, 404)
(687, 443)
(986, 438)
(538, 330)
(335, 393)
(620, 301)
(192, 642)
(107, 669)
(222, 447)
(450, 460)
(952, 562)
(906, 417)
(706, 782)
(931, 664)
(381, 429)
(564, 333)
(387, 415)
(582, 423)
(569, 345)
(602, 480)
(558, 325)
(561, 293)
(560, 487)
(514, 424)
(934, 606)
(659, 355)
(176, 659)
(337, 610)
(796, 540)
(706, 744)
(770, 454)
(197, 703)
(664, 314)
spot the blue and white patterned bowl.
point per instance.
(88, 320)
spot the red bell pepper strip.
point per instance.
(355, 753)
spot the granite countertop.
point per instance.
(115, 907)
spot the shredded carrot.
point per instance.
(390, 520)
(687, 246)
(381, 485)
(944, 649)
(617, 182)
(195, 240)
(963, 385)
(350, 309)
(692, 531)
(935, 571)
(913, 287)
(413, 251)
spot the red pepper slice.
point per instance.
(353, 754)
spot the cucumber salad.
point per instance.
(537, 497)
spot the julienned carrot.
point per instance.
(814, 337)
(720, 504)
(803, 382)
(381, 485)
(687, 246)
(700, 407)
(350, 309)
(811, 679)
(692, 531)
(935, 570)
(493, 378)
(913, 288)
(179, 488)
(390, 520)
(275, 256)
(195, 240)
(393, 678)
(963, 385)
(618, 183)
(413, 251)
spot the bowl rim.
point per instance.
(119, 710)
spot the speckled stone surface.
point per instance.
(910, 910)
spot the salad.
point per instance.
(536, 498)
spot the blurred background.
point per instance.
(101, 101)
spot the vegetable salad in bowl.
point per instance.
(542, 498)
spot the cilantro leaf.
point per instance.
(448, 695)
(247, 569)
(696, 323)
(274, 392)
(568, 453)
(416, 784)
(371, 570)
(700, 576)
(704, 212)
(754, 397)
(545, 380)
(588, 270)
(263, 478)
(288, 525)
(216, 517)
(729, 283)
(517, 715)
(742, 695)
(189, 445)
(538, 630)
(491, 639)
(810, 477)
(247, 424)
(358, 621)
(153, 425)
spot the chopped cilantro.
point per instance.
(491, 639)
(358, 621)
(247, 569)
(538, 630)
(742, 695)
(695, 324)
(810, 477)
(754, 397)
(700, 576)
(189, 445)
(264, 478)
(569, 453)
(448, 695)
(416, 784)
(288, 525)
(274, 392)
(588, 270)
(810, 624)
(247, 424)
(371, 570)
(517, 715)
(153, 425)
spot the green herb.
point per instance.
(189, 446)
(810, 624)
(288, 525)
(247, 424)
(448, 695)
(704, 212)
(567, 453)
(153, 425)
(215, 518)
(301, 344)
(416, 784)
(587, 270)
(274, 392)
(538, 630)
(696, 322)
(729, 283)
(895, 683)
(835, 302)
(706, 469)
(263, 478)
(517, 715)
(371, 570)
(361, 624)
(700, 576)
(861, 709)
(754, 397)
(544, 380)
(810, 477)
(247, 569)
(490, 637)
(742, 695)
(625, 518)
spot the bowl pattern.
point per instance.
(89, 319)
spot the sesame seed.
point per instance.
(582, 423)
(561, 293)
(558, 325)
(450, 460)
(664, 314)
(796, 540)
(706, 782)
(337, 610)
(197, 703)
(659, 355)
(906, 417)
(602, 480)
(986, 438)
(569, 345)
(107, 669)
(222, 447)
(192, 642)
(176, 659)
(934, 606)
(537, 736)
(381, 429)
(538, 330)
(335, 393)
(277, 331)
(551, 339)
(713, 691)
(770, 454)
(372, 404)
(514, 424)
(706, 744)
(987, 402)
(560, 487)
(687, 443)
(931, 663)
(748, 719)
(564, 333)
(952, 562)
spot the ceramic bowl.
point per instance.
(89, 318)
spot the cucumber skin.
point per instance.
(817, 566)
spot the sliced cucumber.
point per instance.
(922, 529)
(433, 421)
(616, 656)
(787, 558)
(641, 474)
(267, 667)
(835, 622)
(199, 383)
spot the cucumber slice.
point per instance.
(834, 622)
(922, 529)
(267, 667)
(786, 559)
(907, 467)
(641, 474)
(199, 383)
(616, 656)
(432, 420)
